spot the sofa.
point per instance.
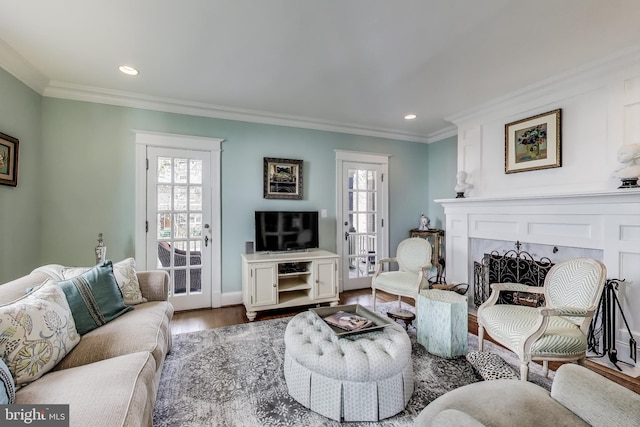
(110, 375)
(578, 397)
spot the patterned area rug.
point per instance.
(233, 376)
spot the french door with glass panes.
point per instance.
(363, 212)
(179, 218)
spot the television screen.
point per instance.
(279, 231)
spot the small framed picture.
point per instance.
(282, 179)
(8, 160)
(533, 143)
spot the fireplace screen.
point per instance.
(514, 266)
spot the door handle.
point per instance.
(346, 235)
(206, 240)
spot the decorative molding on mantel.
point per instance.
(593, 197)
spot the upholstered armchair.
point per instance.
(557, 331)
(413, 257)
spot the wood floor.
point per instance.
(197, 320)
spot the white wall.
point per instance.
(600, 112)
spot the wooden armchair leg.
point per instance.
(524, 371)
(480, 337)
(373, 297)
(545, 368)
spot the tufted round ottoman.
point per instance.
(362, 377)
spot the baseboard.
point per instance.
(231, 298)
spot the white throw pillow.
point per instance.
(36, 332)
(125, 272)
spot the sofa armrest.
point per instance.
(453, 417)
(594, 398)
(154, 284)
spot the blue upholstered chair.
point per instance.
(557, 331)
(413, 257)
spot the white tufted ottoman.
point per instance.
(362, 377)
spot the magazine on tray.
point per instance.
(348, 321)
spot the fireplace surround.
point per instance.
(605, 225)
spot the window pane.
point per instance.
(164, 169)
(195, 225)
(164, 226)
(195, 171)
(180, 226)
(371, 180)
(179, 197)
(196, 283)
(164, 197)
(195, 198)
(179, 282)
(180, 176)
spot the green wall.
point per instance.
(80, 179)
(20, 208)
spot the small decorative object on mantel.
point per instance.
(533, 143)
(462, 185)
(425, 223)
(629, 171)
(282, 178)
(101, 250)
(8, 160)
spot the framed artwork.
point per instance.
(8, 160)
(533, 143)
(282, 178)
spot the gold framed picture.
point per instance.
(282, 178)
(533, 143)
(8, 160)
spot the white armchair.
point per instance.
(557, 331)
(413, 257)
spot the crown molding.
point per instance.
(16, 65)
(442, 134)
(578, 80)
(56, 89)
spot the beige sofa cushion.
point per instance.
(117, 392)
(145, 328)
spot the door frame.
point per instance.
(378, 159)
(145, 139)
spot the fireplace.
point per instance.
(512, 266)
(600, 225)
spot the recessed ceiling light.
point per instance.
(410, 117)
(130, 71)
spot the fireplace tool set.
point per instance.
(606, 315)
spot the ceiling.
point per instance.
(357, 66)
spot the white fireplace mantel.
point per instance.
(606, 221)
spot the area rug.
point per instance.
(233, 376)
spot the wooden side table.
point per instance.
(435, 236)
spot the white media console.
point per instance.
(278, 280)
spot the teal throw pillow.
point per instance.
(94, 297)
(7, 387)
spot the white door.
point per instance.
(362, 232)
(179, 237)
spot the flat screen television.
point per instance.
(281, 231)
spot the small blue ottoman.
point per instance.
(443, 322)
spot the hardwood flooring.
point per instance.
(197, 320)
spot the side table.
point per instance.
(406, 316)
(443, 322)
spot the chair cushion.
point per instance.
(397, 282)
(510, 323)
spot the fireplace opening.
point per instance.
(513, 266)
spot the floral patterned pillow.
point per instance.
(125, 272)
(36, 332)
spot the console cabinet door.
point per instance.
(264, 283)
(325, 277)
